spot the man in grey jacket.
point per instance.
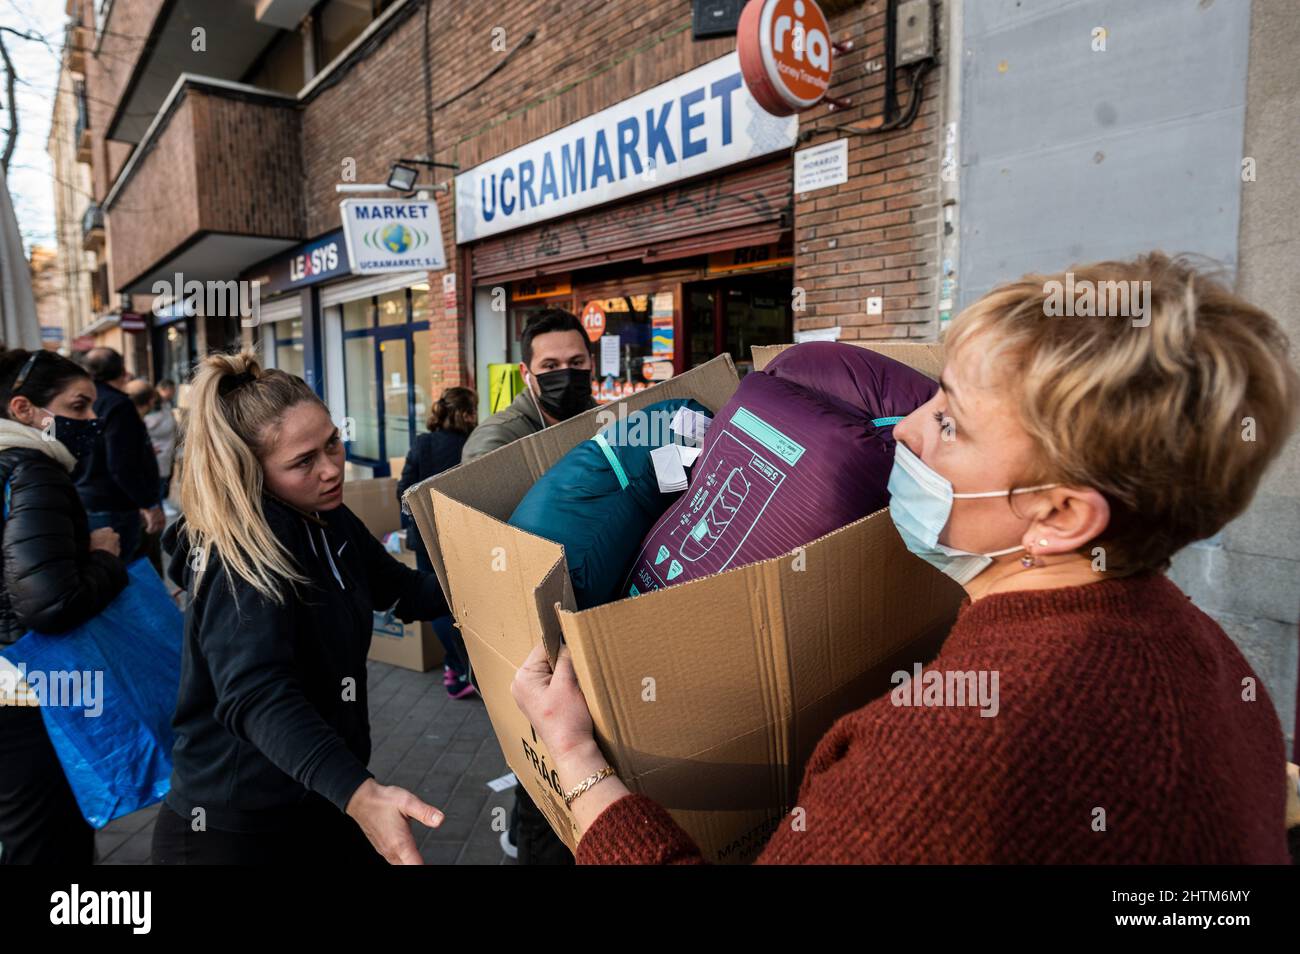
(557, 370)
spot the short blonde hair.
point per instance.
(1171, 407)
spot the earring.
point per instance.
(1027, 560)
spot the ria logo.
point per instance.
(785, 54)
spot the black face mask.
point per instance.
(565, 392)
(77, 435)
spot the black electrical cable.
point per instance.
(898, 122)
(913, 107)
(428, 83)
(916, 86)
(528, 38)
(362, 52)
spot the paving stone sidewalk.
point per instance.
(441, 749)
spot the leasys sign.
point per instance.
(785, 54)
(393, 235)
(700, 121)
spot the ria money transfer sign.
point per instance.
(393, 235)
(698, 122)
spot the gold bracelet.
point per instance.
(585, 784)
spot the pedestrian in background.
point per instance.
(160, 422)
(450, 421)
(144, 398)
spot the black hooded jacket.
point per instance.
(273, 700)
(432, 453)
(53, 581)
(121, 473)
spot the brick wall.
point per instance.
(878, 233)
(581, 61)
(157, 208)
(248, 163)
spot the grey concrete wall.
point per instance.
(1071, 155)
(1248, 577)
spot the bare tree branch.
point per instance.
(12, 141)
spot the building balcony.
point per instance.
(79, 41)
(92, 230)
(233, 38)
(83, 145)
(214, 187)
(81, 134)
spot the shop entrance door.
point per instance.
(387, 375)
(735, 313)
(397, 397)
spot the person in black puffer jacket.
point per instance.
(57, 575)
(452, 418)
(272, 726)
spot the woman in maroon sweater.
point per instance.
(1060, 465)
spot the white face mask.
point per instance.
(920, 504)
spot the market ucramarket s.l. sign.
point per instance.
(785, 54)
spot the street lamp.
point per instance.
(402, 178)
(403, 174)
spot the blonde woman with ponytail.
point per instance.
(272, 727)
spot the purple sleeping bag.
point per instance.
(803, 447)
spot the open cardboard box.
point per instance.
(708, 696)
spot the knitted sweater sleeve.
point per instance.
(636, 830)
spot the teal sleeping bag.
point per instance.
(601, 499)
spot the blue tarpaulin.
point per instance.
(107, 691)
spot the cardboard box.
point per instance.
(409, 645)
(709, 696)
(412, 646)
(375, 502)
